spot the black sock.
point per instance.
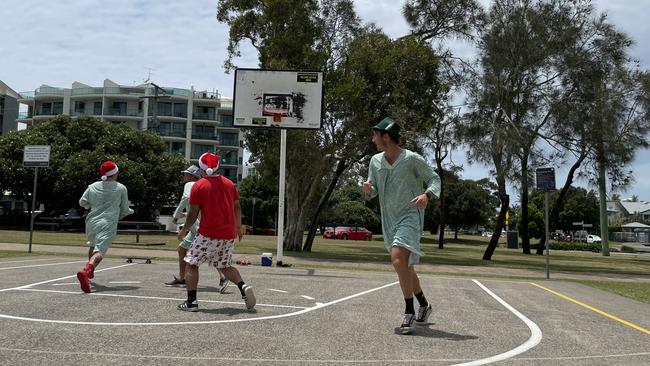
(191, 296)
(421, 299)
(409, 306)
(241, 287)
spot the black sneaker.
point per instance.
(249, 297)
(423, 314)
(175, 282)
(186, 306)
(223, 284)
(407, 324)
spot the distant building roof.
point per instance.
(635, 207)
(636, 225)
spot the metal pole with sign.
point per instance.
(35, 156)
(545, 179)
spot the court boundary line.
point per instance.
(155, 298)
(195, 358)
(42, 265)
(534, 339)
(598, 311)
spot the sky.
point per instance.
(181, 44)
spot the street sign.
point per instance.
(577, 223)
(545, 179)
(587, 225)
(35, 156)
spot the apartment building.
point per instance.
(8, 108)
(190, 122)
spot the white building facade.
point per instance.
(190, 122)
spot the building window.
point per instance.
(57, 108)
(200, 149)
(228, 157)
(97, 109)
(119, 109)
(164, 109)
(175, 147)
(180, 110)
(226, 120)
(140, 106)
(80, 107)
(205, 113)
(203, 132)
(229, 139)
(46, 109)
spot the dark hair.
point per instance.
(391, 135)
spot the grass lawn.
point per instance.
(639, 291)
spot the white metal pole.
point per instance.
(31, 220)
(548, 237)
(283, 158)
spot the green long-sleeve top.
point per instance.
(108, 203)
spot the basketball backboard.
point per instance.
(278, 98)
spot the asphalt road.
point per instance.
(306, 317)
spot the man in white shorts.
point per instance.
(190, 175)
(216, 198)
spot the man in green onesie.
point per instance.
(108, 202)
(190, 175)
(405, 183)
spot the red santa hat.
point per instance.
(209, 162)
(108, 169)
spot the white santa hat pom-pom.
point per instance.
(209, 171)
(104, 177)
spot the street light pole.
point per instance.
(253, 218)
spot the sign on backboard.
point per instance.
(36, 156)
(278, 98)
(545, 179)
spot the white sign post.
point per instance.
(35, 156)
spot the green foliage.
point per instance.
(354, 212)
(266, 202)
(469, 203)
(79, 146)
(583, 247)
(579, 205)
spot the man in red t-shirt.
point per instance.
(217, 199)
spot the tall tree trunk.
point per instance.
(602, 192)
(441, 199)
(559, 203)
(525, 218)
(341, 166)
(505, 204)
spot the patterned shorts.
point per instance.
(218, 253)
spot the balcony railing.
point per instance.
(49, 112)
(124, 91)
(206, 95)
(48, 92)
(24, 115)
(170, 91)
(228, 142)
(205, 116)
(87, 91)
(124, 112)
(167, 132)
(204, 136)
(27, 95)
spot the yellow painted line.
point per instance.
(613, 317)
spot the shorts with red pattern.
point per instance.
(217, 252)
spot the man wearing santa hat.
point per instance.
(108, 202)
(216, 198)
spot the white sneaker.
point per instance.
(407, 324)
(223, 284)
(423, 314)
(249, 297)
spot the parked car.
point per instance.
(593, 239)
(348, 232)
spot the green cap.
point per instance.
(388, 125)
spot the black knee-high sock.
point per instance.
(191, 296)
(241, 287)
(421, 299)
(409, 306)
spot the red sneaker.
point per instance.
(84, 281)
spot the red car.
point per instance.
(347, 232)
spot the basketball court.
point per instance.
(306, 316)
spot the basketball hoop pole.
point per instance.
(283, 158)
